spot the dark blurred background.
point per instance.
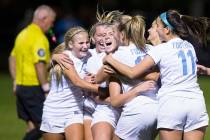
(16, 14)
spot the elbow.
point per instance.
(115, 103)
(132, 75)
(152, 76)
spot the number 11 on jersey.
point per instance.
(186, 58)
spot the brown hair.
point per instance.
(194, 29)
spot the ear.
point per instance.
(167, 30)
(93, 40)
(70, 44)
(122, 35)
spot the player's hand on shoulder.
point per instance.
(63, 60)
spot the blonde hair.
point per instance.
(55, 67)
(93, 28)
(71, 33)
(105, 19)
(110, 17)
(134, 29)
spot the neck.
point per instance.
(170, 36)
(126, 42)
(155, 42)
(38, 24)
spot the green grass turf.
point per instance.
(205, 86)
(11, 128)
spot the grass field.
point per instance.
(12, 128)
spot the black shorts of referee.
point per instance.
(29, 100)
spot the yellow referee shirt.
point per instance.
(31, 46)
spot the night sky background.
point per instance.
(16, 14)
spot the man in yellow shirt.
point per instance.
(28, 63)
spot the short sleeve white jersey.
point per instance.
(95, 62)
(177, 63)
(65, 96)
(93, 51)
(131, 55)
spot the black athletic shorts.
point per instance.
(29, 100)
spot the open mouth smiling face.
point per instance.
(110, 44)
(106, 40)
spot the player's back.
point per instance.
(177, 63)
(132, 55)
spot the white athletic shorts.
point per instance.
(138, 124)
(89, 107)
(58, 124)
(182, 113)
(106, 113)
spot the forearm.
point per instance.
(123, 98)
(12, 66)
(118, 98)
(122, 68)
(101, 76)
(86, 85)
(133, 72)
(77, 81)
(41, 71)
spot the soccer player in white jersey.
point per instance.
(138, 117)
(182, 112)
(63, 109)
(105, 116)
(97, 33)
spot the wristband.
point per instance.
(46, 87)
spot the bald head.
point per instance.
(42, 12)
(44, 17)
